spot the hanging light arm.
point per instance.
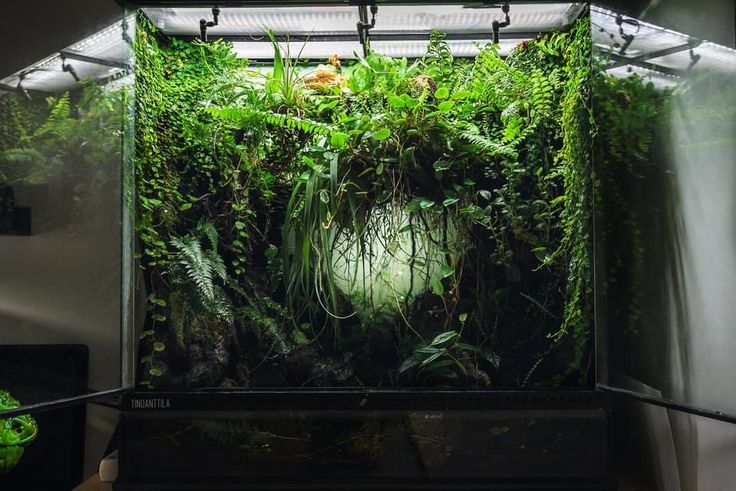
(364, 26)
(205, 24)
(67, 67)
(497, 25)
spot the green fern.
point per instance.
(470, 133)
(179, 316)
(269, 321)
(195, 273)
(199, 269)
(242, 117)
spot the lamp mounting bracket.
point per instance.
(205, 24)
(498, 25)
(364, 26)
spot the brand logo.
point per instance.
(151, 403)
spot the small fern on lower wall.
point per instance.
(198, 276)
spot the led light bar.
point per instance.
(260, 50)
(659, 79)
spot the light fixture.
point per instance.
(204, 24)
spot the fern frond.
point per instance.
(471, 134)
(243, 117)
(266, 319)
(178, 316)
(220, 307)
(199, 269)
(207, 229)
(541, 94)
(61, 112)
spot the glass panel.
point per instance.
(665, 158)
(658, 79)
(403, 448)
(609, 31)
(710, 56)
(65, 259)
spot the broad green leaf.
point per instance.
(445, 339)
(441, 93)
(409, 363)
(449, 201)
(155, 372)
(446, 271)
(381, 134)
(426, 203)
(409, 101)
(427, 350)
(414, 205)
(445, 106)
(338, 139)
(541, 253)
(431, 358)
(159, 346)
(300, 339)
(397, 102)
(437, 287)
(324, 196)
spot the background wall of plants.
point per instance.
(381, 222)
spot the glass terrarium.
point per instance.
(355, 240)
(360, 229)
